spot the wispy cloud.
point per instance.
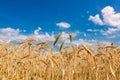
(84, 34)
(63, 25)
(93, 30)
(36, 32)
(109, 31)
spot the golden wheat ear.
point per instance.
(112, 43)
(22, 42)
(54, 43)
(56, 39)
(61, 46)
(41, 43)
(70, 36)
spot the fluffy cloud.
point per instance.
(9, 31)
(63, 25)
(96, 19)
(11, 34)
(16, 35)
(110, 18)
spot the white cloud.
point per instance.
(111, 18)
(103, 42)
(9, 31)
(16, 35)
(78, 42)
(63, 25)
(109, 31)
(91, 42)
(96, 19)
(36, 32)
(84, 34)
(74, 34)
(93, 30)
(65, 35)
(44, 37)
(11, 34)
(82, 41)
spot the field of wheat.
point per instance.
(31, 60)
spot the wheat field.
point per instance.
(31, 60)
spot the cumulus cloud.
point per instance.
(110, 17)
(63, 25)
(96, 19)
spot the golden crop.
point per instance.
(28, 61)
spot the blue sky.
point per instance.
(86, 20)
